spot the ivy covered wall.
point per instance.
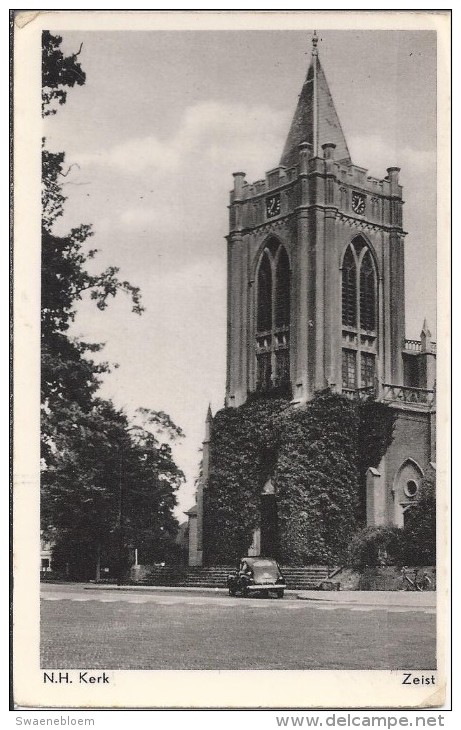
(243, 454)
(315, 457)
(316, 481)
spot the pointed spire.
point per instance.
(208, 425)
(315, 120)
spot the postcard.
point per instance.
(231, 370)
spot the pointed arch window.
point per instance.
(265, 294)
(367, 293)
(273, 318)
(282, 294)
(349, 289)
(359, 316)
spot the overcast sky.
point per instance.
(157, 130)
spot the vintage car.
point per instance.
(256, 575)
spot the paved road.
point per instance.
(107, 629)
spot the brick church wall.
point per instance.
(412, 440)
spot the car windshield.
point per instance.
(265, 570)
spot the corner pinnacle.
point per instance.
(425, 330)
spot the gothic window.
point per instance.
(349, 364)
(265, 294)
(359, 315)
(282, 367)
(367, 369)
(273, 318)
(282, 296)
(406, 485)
(367, 293)
(263, 371)
(349, 289)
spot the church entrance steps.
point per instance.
(297, 578)
(305, 578)
(209, 577)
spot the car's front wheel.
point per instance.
(280, 594)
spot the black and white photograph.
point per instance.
(229, 229)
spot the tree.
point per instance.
(376, 546)
(57, 71)
(110, 486)
(105, 484)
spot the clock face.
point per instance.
(273, 206)
(358, 203)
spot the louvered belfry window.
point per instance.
(265, 294)
(359, 316)
(358, 311)
(273, 318)
(282, 295)
(349, 289)
(367, 294)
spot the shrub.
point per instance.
(420, 525)
(376, 546)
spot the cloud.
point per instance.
(204, 273)
(138, 217)
(377, 151)
(133, 156)
(210, 134)
(171, 194)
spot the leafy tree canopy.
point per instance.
(57, 71)
(103, 475)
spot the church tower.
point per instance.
(316, 300)
(315, 265)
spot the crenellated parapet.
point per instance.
(356, 197)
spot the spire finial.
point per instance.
(315, 40)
